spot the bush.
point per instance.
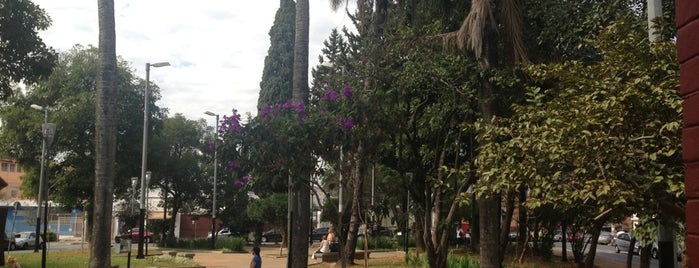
(379, 242)
(231, 243)
(51, 236)
(453, 261)
(236, 244)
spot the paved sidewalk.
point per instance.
(270, 258)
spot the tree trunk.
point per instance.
(629, 256)
(105, 138)
(489, 206)
(594, 237)
(355, 220)
(505, 225)
(490, 232)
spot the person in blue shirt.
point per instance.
(256, 259)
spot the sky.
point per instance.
(216, 48)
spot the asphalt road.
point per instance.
(607, 254)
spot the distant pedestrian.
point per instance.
(256, 259)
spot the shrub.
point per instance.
(453, 261)
(236, 244)
(379, 242)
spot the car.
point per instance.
(318, 233)
(655, 251)
(24, 240)
(133, 234)
(383, 231)
(272, 236)
(623, 242)
(605, 238)
(557, 236)
(226, 232)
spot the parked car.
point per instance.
(272, 236)
(318, 233)
(655, 251)
(623, 241)
(226, 232)
(557, 236)
(605, 238)
(24, 240)
(133, 234)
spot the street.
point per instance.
(605, 253)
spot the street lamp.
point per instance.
(48, 131)
(213, 210)
(144, 157)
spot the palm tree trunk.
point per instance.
(301, 199)
(105, 137)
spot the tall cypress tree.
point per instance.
(277, 75)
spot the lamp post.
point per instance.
(48, 131)
(144, 157)
(134, 182)
(213, 210)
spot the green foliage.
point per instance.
(69, 94)
(453, 261)
(277, 75)
(600, 139)
(177, 145)
(23, 55)
(272, 209)
(235, 244)
(378, 242)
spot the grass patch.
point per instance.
(80, 258)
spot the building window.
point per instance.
(14, 192)
(19, 168)
(12, 167)
(3, 167)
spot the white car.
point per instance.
(623, 241)
(24, 240)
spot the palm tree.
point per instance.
(105, 138)
(479, 34)
(300, 199)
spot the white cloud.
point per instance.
(216, 48)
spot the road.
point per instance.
(608, 254)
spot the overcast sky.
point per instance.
(216, 48)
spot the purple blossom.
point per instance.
(232, 164)
(348, 124)
(288, 105)
(276, 109)
(212, 146)
(330, 95)
(266, 110)
(347, 91)
(246, 178)
(232, 123)
(238, 183)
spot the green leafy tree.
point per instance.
(23, 55)
(601, 139)
(70, 94)
(272, 210)
(277, 74)
(178, 146)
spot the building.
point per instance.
(687, 19)
(12, 173)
